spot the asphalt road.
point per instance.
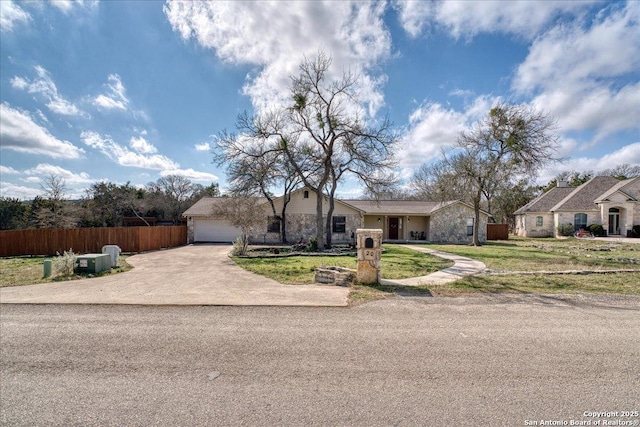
(488, 361)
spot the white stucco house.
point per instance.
(604, 200)
(400, 220)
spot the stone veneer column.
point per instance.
(369, 245)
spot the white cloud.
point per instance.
(46, 169)
(600, 108)
(108, 103)
(8, 170)
(433, 128)
(8, 189)
(18, 132)
(628, 154)
(205, 146)
(66, 6)
(115, 96)
(469, 18)
(142, 146)
(275, 38)
(44, 85)
(191, 174)
(572, 52)
(19, 83)
(587, 76)
(125, 157)
(11, 14)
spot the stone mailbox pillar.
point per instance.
(369, 245)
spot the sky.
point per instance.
(131, 91)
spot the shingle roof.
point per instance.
(546, 201)
(583, 198)
(620, 186)
(632, 188)
(396, 207)
(206, 206)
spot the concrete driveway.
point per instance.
(189, 275)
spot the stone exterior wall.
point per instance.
(593, 217)
(301, 227)
(526, 225)
(190, 230)
(450, 225)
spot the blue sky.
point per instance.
(135, 90)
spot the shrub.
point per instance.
(240, 246)
(64, 264)
(312, 246)
(565, 229)
(597, 230)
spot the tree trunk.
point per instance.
(319, 222)
(283, 220)
(328, 227)
(476, 221)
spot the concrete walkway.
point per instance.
(189, 275)
(462, 267)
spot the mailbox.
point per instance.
(369, 245)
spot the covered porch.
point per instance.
(617, 219)
(400, 227)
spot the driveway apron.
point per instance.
(189, 275)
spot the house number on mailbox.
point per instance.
(369, 254)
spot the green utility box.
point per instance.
(93, 263)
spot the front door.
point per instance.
(393, 228)
(614, 223)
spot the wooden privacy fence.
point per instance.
(48, 241)
(497, 231)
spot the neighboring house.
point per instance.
(605, 200)
(402, 220)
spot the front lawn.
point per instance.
(614, 283)
(540, 255)
(508, 257)
(520, 254)
(397, 263)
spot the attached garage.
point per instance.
(214, 230)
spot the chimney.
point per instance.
(563, 184)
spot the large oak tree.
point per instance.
(323, 134)
(511, 142)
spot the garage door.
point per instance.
(214, 230)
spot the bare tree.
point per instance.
(55, 212)
(254, 172)
(624, 171)
(173, 194)
(437, 182)
(512, 142)
(322, 136)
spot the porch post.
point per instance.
(385, 228)
(604, 214)
(407, 229)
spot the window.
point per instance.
(305, 194)
(538, 221)
(273, 225)
(339, 224)
(469, 226)
(580, 221)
